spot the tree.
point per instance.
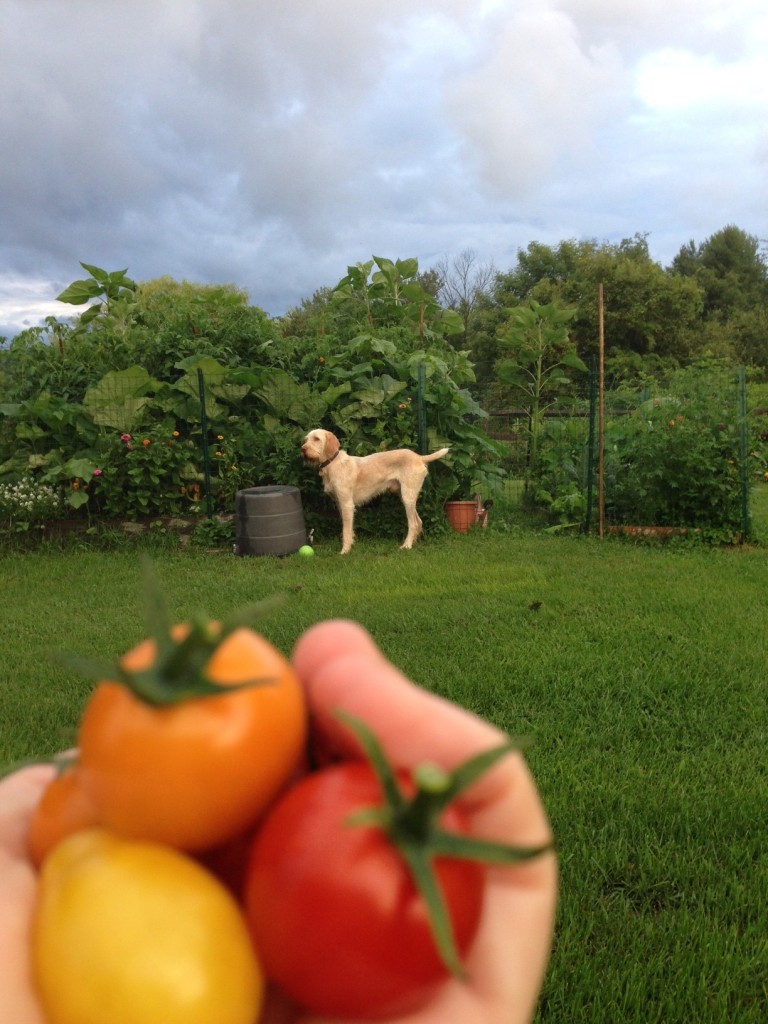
(463, 281)
(199, 319)
(646, 311)
(730, 269)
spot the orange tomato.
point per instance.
(64, 808)
(196, 773)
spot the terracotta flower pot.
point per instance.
(462, 515)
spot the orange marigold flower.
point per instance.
(146, 441)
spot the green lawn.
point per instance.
(637, 671)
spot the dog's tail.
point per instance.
(435, 455)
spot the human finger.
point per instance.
(342, 669)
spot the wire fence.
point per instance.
(684, 454)
(124, 444)
(681, 454)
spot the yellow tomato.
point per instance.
(132, 932)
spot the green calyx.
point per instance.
(178, 671)
(412, 824)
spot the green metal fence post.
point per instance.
(204, 432)
(746, 526)
(421, 410)
(591, 443)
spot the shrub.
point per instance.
(28, 502)
(144, 475)
(675, 460)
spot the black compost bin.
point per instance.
(269, 521)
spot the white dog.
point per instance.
(351, 480)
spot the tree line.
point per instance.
(710, 302)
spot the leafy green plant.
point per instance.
(127, 367)
(536, 338)
(115, 290)
(146, 475)
(393, 295)
(562, 484)
(675, 461)
(214, 533)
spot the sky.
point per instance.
(272, 143)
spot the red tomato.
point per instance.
(333, 911)
(196, 773)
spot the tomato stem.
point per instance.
(412, 825)
(178, 670)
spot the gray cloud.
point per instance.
(272, 144)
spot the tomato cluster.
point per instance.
(187, 854)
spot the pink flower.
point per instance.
(97, 472)
(125, 437)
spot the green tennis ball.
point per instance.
(305, 549)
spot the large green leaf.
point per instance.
(102, 276)
(119, 398)
(572, 360)
(379, 391)
(29, 431)
(332, 394)
(408, 267)
(79, 466)
(232, 394)
(80, 292)
(91, 313)
(214, 372)
(77, 498)
(287, 398)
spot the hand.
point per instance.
(341, 668)
(19, 794)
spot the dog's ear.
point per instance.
(331, 444)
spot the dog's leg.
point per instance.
(413, 517)
(347, 511)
